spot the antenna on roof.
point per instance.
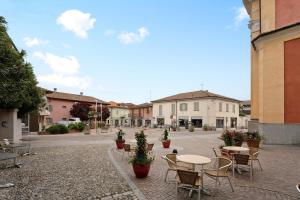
(150, 95)
(202, 86)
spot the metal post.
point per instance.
(101, 111)
(96, 125)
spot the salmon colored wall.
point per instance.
(58, 111)
(292, 81)
(287, 12)
(142, 112)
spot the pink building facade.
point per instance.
(142, 115)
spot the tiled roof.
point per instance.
(195, 95)
(74, 97)
(113, 104)
(143, 105)
(246, 103)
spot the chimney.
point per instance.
(55, 89)
(81, 93)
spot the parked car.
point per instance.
(72, 120)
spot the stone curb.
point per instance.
(131, 184)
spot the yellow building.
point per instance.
(275, 69)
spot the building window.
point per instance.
(196, 106)
(160, 110)
(183, 107)
(64, 107)
(147, 110)
(233, 108)
(50, 108)
(220, 107)
(227, 107)
(220, 123)
(173, 108)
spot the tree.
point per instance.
(81, 110)
(18, 84)
(105, 113)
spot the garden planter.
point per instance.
(253, 143)
(141, 170)
(238, 143)
(166, 143)
(120, 144)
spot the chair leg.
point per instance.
(259, 165)
(167, 175)
(251, 173)
(176, 190)
(199, 193)
(230, 183)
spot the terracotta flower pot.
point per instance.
(120, 144)
(166, 143)
(238, 143)
(141, 170)
(253, 143)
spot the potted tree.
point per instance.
(120, 141)
(165, 139)
(141, 160)
(232, 138)
(253, 139)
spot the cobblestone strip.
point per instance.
(131, 184)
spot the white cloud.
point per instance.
(33, 41)
(67, 81)
(77, 22)
(65, 71)
(241, 15)
(131, 37)
(60, 65)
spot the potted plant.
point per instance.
(191, 128)
(141, 160)
(165, 139)
(205, 127)
(232, 138)
(253, 139)
(120, 141)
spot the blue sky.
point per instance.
(134, 50)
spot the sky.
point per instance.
(134, 50)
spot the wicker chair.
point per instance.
(189, 180)
(172, 164)
(128, 149)
(254, 152)
(243, 160)
(219, 170)
(150, 148)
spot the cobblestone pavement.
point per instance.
(280, 172)
(68, 172)
(78, 166)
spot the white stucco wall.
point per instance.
(10, 126)
(208, 111)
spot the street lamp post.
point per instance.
(96, 125)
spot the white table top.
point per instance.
(194, 159)
(132, 141)
(235, 148)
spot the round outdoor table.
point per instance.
(196, 160)
(235, 149)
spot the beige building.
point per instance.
(275, 71)
(198, 108)
(119, 114)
